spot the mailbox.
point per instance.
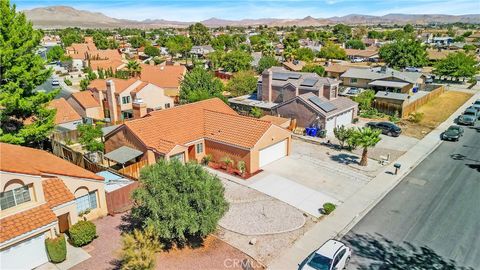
(397, 165)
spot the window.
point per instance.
(353, 80)
(167, 105)
(339, 257)
(14, 197)
(199, 148)
(127, 114)
(126, 100)
(86, 202)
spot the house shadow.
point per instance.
(345, 158)
(377, 252)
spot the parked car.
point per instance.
(476, 105)
(333, 255)
(413, 69)
(55, 82)
(429, 79)
(351, 91)
(466, 120)
(453, 133)
(472, 111)
(387, 128)
(357, 60)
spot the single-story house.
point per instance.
(294, 65)
(192, 131)
(365, 54)
(201, 50)
(41, 196)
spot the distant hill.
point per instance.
(64, 16)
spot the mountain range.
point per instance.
(64, 16)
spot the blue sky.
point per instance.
(196, 10)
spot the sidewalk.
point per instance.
(353, 210)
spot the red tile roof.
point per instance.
(86, 99)
(65, 112)
(26, 221)
(212, 119)
(163, 76)
(120, 84)
(20, 159)
(56, 192)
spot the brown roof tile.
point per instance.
(56, 192)
(20, 159)
(23, 222)
(65, 112)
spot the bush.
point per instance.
(139, 249)
(256, 112)
(394, 118)
(56, 249)
(206, 159)
(67, 82)
(328, 208)
(355, 120)
(242, 167)
(82, 233)
(415, 117)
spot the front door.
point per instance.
(191, 152)
(63, 223)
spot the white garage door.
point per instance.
(25, 255)
(342, 119)
(273, 152)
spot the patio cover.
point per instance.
(123, 154)
(388, 84)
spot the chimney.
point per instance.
(112, 101)
(139, 108)
(266, 94)
(100, 100)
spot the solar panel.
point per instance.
(295, 76)
(326, 106)
(309, 82)
(280, 76)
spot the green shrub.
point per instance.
(82, 233)
(328, 208)
(415, 117)
(256, 112)
(242, 167)
(355, 120)
(67, 82)
(394, 118)
(139, 248)
(56, 249)
(206, 159)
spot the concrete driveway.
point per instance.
(309, 177)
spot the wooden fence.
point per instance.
(65, 136)
(134, 169)
(77, 158)
(416, 104)
(120, 200)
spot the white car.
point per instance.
(333, 255)
(357, 60)
(55, 82)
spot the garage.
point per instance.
(272, 153)
(344, 119)
(27, 254)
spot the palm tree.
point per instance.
(289, 54)
(366, 137)
(133, 68)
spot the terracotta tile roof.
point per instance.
(56, 192)
(86, 99)
(212, 118)
(104, 55)
(139, 87)
(20, 159)
(65, 112)
(120, 84)
(26, 221)
(276, 120)
(106, 64)
(163, 76)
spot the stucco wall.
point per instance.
(219, 151)
(363, 83)
(154, 97)
(304, 115)
(272, 136)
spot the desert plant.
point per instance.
(242, 166)
(227, 161)
(328, 208)
(67, 82)
(366, 137)
(56, 249)
(395, 118)
(82, 233)
(416, 117)
(139, 248)
(206, 159)
(341, 133)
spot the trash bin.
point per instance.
(313, 132)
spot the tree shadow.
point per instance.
(345, 158)
(474, 166)
(378, 253)
(116, 264)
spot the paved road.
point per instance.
(65, 92)
(436, 206)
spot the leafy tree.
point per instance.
(179, 45)
(397, 34)
(469, 47)
(359, 32)
(408, 28)
(304, 54)
(242, 83)
(178, 201)
(236, 60)
(355, 44)
(314, 68)
(133, 67)
(342, 134)
(404, 52)
(199, 34)
(55, 53)
(24, 117)
(375, 34)
(200, 84)
(90, 137)
(332, 51)
(291, 42)
(100, 40)
(457, 64)
(366, 138)
(137, 41)
(256, 112)
(266, 62)
(139, 248)
(342, 32)
(70, 36)
(224, 42)
(162, 38)
(216, 59)
(365, 99)
(84, 84)
(152, 51)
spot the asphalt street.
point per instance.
(48, 87)
(428, 219)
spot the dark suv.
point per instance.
(387, 128)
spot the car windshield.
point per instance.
(353, 91)
(469, 113)
(320, 262)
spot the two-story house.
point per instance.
(41, 195)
